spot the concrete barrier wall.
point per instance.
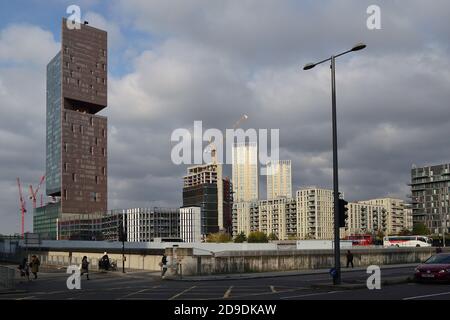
(7, 277)
(267, 261)
(192, 263)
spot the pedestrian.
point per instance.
(24, 269)
(163, 265)
(34, 264)
(349, 258)
(85, 267)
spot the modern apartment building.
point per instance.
(395, 213)
(315, 218)
(365, 219)
(245, 171)
(279, 179)
(204, 186)
(76, 139)
(190, 224)
(430, 188)
(146, 224)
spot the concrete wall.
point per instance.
(257, 261)
(189, 262)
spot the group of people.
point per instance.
(25, 267)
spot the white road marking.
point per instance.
(227, 293)
(25, 298)
(310, 294)
(272, 288)
(182, 292)
(427, 296)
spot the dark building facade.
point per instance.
(430, 189)
(76, 140)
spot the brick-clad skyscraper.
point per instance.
(76, 163)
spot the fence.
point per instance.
(7, 277)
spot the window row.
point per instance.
(66, 169)
(93, 196)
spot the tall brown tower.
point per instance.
(76, 135)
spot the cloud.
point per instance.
(216, 60)
(26, 44)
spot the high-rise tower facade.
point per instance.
(76, 141)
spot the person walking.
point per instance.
(349, 258)
(163, 265)
(24, 269)
(34, 264)
(85, 267)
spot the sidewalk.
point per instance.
(257, 275)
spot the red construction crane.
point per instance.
(33, 194)
(22, 206)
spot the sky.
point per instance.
(174, 62)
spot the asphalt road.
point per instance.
(51, 285)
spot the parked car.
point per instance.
(435, 268)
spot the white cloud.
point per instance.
(27, 44)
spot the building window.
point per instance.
(81, 129)
(65, 117)
(66, 49)
(94, 196)
(104, 53)
(73, 128)
(104, 152)
(74, 177)
(92, 150)
(92, 121)
(78, 82)
(65, 147)
(68, 80)
(96, 180)
(104, 171)
(104, 133)
(104, 81)
(66, 196)
(96, 141)
(66, 167)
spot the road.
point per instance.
(51, 285)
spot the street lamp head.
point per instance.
(358, 46)
(309, 66)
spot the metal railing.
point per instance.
(7, 277)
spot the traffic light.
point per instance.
(343, 212)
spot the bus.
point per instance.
(407, 241)
(360, 239)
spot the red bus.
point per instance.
(361, 239)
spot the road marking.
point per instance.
(182, 292)
(272, 288)
(227, 293)
(427, 296)
(133, 293)
(25, 298)
(310, 294)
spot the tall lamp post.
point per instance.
(337, 247)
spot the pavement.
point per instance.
(311, 285)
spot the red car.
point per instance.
(436, 268)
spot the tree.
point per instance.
(405, 232)
(273, 236)
(240, 238)
(218, 237)
(257, 237)
(420, 229)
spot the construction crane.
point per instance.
(22, 206)
(33, 194)
(212, 146)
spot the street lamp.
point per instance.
(337, 252)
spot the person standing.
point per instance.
(85, 267)
(163, 265)
(349, 258)
(34, 264)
